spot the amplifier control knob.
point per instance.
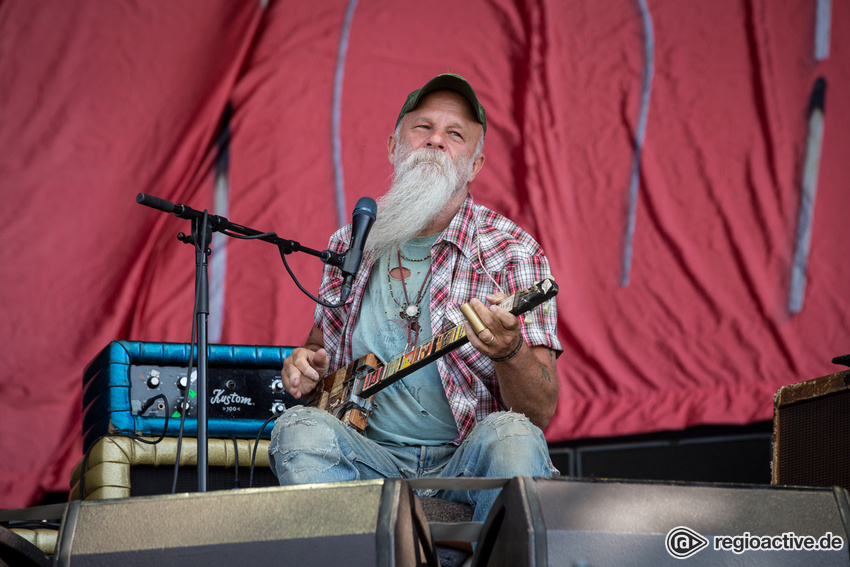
(153, 380)
(278, 408)
(182, 382)
(277, 385)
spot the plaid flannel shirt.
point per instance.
(509, 254)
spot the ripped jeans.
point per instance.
(309, 445)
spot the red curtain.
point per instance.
(677, 304)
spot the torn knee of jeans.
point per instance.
(509, 424)
(301, 420)
(299, 415)
(301, 459)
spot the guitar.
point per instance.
(348, 392)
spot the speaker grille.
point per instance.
(812, 433)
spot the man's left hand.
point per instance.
(501, 335)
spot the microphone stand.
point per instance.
(203, 225)
(201, 237)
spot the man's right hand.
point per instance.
(303, 369)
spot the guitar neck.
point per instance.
(413, 360)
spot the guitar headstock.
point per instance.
(527, 299)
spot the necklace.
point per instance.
(428, 257)
(410, 310)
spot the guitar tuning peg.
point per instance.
(528, 318)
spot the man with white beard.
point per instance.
(477, 411)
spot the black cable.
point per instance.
(307, 293)
(184, 407)
(236, 457)
(254, 453)
(285, 263)
(127, 435)
(32, 524)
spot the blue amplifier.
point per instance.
(130, 387)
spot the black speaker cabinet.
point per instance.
(811, 432)
(356, 523)
(599, 523)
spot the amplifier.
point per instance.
(131, 387)
(811, 432)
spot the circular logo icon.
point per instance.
(683, 542)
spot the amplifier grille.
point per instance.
(813, 441)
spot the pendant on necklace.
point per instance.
(410, 311)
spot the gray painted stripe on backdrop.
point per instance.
(218, 261)
(649, 50)
(808, 191)
(221, 200)
(823, 15)
(339, 181)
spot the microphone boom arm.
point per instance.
(221, 224)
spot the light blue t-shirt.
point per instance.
(414, 410)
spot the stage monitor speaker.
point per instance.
(811, 432)
(598, 523)
(377, 522)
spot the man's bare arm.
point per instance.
(527, 376)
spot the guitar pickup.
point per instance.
(358, 379)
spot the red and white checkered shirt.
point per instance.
(512, 258)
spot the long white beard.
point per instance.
(424, 183)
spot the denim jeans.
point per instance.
(309, 445)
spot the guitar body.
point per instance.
(338, 393)
(348, 392)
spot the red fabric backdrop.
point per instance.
(101, 102)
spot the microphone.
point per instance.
(155, 202)
(361, 223)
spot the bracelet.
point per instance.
(512, 354)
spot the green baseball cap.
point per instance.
(445, 82)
